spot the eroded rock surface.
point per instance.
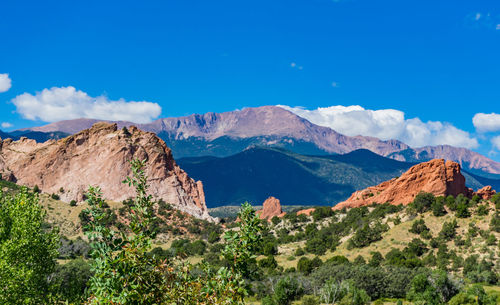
(270, 208)
(439, 177)
(100, 156)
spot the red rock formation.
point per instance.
(306, 212)
(270, 208)
(436, 176)
(100, 156)
(486, 193)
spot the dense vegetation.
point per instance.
(434, 251)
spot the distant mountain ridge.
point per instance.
(259, 172)
(228, 133)
(38, 136)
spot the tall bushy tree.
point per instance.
(27, 250)
(124, 274)
(122, 271)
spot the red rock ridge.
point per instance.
(439, 177)
(486, 193)
(306, 212)
(270, 208)
(100, 156)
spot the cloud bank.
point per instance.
(6, 125)
(5, 82)
(486, 122)
(496, 142)
(65, 103)
(386, 124)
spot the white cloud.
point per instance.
(5, 82)
(496, 142)
(6, 125)
(486, 122)
(56, 104)
(294, 65)
(386, 124)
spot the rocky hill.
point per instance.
(100, 156)
(438, 177)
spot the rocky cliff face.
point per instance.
(100, 156)
(270, 208)
(439, 177)
(486, 192)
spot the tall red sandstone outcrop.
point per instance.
(439, 177)
(270, 208)
(100, 156)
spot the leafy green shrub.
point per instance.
(322, 212)
(27, 250)
(462, 210)
(416, 247)
(366, 235)
(287, 289)
(418, 227)
(126, 274)
(496, 200)
(305, 265)
(55, 197)
(438, 207)
(359, 260)
(71, 249)
(376, 259)
(72, 203)
(71, 280)
(299, 252)
(355, 296)
(495, 222)
(423, 202)
(448, 231)
(451, 203)
(472, 296)
(434, 288)
(482, 210)
(309, 300)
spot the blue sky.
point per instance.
(430, 60)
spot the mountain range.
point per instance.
(228, 133)
(259, 172)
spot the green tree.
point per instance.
(423, 202)
(71, 280)
(27, 250)
(286, 290)
(125, 272)
(448, 231)
(475, 295)
(435, 288)
(438, 207)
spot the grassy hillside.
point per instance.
(376, 251)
